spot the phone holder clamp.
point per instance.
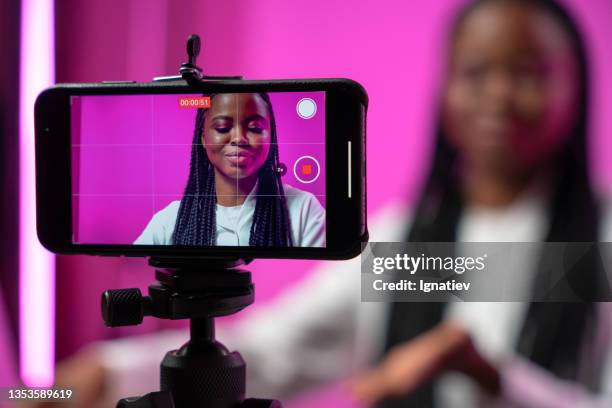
(190, 71)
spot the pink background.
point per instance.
(131, 158)
(395, 48)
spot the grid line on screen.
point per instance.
(179, 144)
(184, 195)
(152, 157)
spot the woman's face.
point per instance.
(510, 98)
(236, 134)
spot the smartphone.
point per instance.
(236, 168)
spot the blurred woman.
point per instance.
(510, 165)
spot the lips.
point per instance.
(238, 157)
(240, 153)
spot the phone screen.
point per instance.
(227, 169)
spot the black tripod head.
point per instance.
(185, 289)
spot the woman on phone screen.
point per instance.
(234, 194)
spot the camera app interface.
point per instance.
(228, 169)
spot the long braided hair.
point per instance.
(196, 220)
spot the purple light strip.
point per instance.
(36, 264)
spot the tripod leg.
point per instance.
(159, 399)
(260, 403)
(203, 373)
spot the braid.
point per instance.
(195, 222)
(196, 218)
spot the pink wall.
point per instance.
(131, 158)
(393, 47)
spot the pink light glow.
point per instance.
(36, 265)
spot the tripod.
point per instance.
(203, 372)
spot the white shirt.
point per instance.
(306, 216)
(494, 326)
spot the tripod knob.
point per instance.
(122, 307)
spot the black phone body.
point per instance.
(345, 105)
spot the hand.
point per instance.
(84, 375)
(409, 365)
